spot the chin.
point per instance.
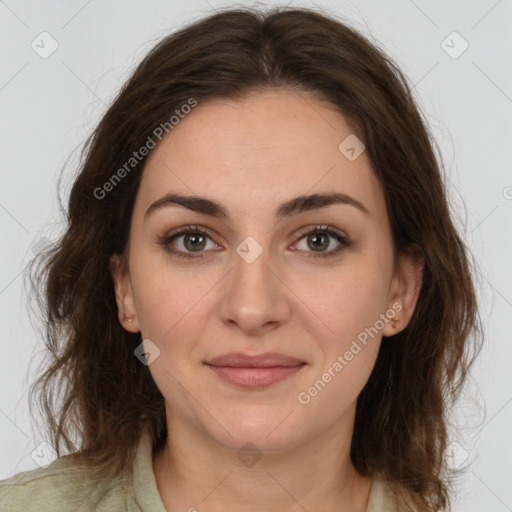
(269, 431)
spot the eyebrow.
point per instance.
(289, 208)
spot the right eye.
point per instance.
(187, 240)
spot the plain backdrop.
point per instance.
(456, 54)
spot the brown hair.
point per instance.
(94, 387)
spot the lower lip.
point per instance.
(255, 377)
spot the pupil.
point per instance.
(315, 238)
(196, 241)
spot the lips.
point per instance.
(254, 371)
(267, 360)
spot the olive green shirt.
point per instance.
(56, 488)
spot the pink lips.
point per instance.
(254, 371)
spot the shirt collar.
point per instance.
(143, 478)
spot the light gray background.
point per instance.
(48, 106)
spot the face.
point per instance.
(315, 283)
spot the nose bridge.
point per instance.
(253, 296)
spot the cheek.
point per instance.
(343, 302)
(343, 316)
(348, 338)
(174, 305)
(169, 298)
(171, 305)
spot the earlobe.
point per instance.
(407, 286)
(395, 321)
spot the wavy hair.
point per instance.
(97, 397)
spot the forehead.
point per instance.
(257, 152)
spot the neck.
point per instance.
(194, 472)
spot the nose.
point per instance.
(255, 298)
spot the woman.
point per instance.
(261, 301)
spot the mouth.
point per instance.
(255, 377)
(254, 371)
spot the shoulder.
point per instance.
(61, 486)
(389, 497)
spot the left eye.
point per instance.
(320, 241)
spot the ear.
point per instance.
(405, 289)
(124, 293)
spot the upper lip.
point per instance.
(268, 359)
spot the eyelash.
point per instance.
(344, 242)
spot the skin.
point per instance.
(251, 156)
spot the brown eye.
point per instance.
(318, 241)
(323, 241)
(194, 242)
(186, 241)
